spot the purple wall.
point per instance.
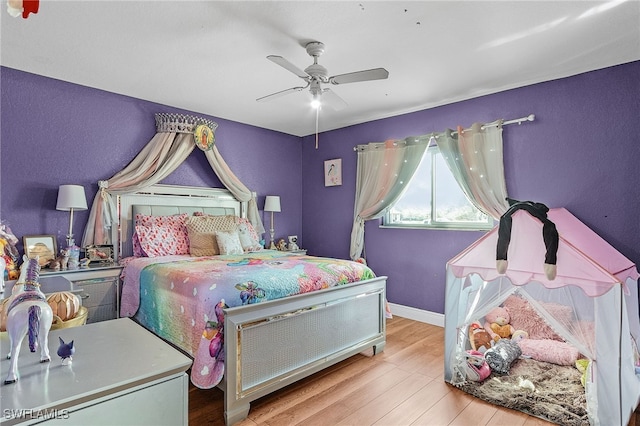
(582, 152)
(55, 133)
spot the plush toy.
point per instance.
(497, 324)
(477, 368)
(9, 252)
(519, 335)
(479, 338)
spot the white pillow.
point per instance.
(247, 240)
(229, 242)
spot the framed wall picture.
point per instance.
(40, 245)
(333, 172)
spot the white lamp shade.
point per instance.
(272, 203)
(71, 197)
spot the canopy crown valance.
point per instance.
(181, 123)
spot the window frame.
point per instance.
(433, 152)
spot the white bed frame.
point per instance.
(267, 345)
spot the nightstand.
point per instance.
(100, 288)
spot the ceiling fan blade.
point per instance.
(332, 100)
(279, 94)
(288, 66)
(353, 77)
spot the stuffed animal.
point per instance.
(9, 252)
(479, 338)
(497, 324)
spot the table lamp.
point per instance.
(70, 198)
(272, 204)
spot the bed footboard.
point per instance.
(273, 344)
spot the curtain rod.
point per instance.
(520, 120)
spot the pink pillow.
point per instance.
(150, 230)
(525, 317)
(552, 351)
(159, 240)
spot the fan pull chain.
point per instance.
(317, 113)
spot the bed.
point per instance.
(284, 317)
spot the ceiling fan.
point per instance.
(315, 75)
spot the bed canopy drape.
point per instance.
(173, 142)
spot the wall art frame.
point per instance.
(333, 172)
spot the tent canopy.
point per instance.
(584, 258)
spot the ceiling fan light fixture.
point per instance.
(316, 102)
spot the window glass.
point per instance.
(433, 199)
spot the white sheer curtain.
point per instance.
(475, 157)
(170, 146)
(383, 170)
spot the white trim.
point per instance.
(415, 314)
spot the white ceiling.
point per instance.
(210, 57)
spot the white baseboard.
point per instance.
(415, 314)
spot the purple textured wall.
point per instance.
(54, 133)
(582, 152)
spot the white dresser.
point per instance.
(121, 374)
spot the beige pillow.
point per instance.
(202, 233)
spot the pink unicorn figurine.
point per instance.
(28, 313)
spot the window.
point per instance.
(433, 199)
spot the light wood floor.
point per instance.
(403, 385)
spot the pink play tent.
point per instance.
(595, 284)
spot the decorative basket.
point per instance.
(76, 321)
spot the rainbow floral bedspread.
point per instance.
(180, 298)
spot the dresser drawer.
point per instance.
(98, 286)
(99, 296)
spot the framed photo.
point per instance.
(40, 245)
(99, 253)
(333, 172)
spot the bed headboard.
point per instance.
(163, 200)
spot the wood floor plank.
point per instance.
(308, 389)
(370, 410)
(333, 394)
(416, 405)
(446, 409)
(477, 412)
(358, 397)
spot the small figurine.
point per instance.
(84, 262)
(66, 351)
(281, 245)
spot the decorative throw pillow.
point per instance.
(229, 242)
(174, 225)
(251, 230)
(552, 351)
(202, 233)
(249, 243)
(159, 240)
(135, 242)
(525, 317)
